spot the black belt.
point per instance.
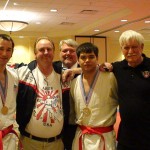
(51, 139)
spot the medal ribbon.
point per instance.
(96, 130)
(3, 90)
(88, 96)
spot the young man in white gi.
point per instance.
(93, 103)
(8, 91)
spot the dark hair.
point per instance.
(87, 48)
(7, 38)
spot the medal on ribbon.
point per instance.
(4, 110)
(86, 111)
(87, 97)
(3, 93)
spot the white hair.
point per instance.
(130, 34)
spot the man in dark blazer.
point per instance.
(68, 60)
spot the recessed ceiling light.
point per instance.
(147, 21)
(116, 31)
(96, 30)
(21, 37)
(53, 10)
(124, 20)
(15, 4)
(38, 22)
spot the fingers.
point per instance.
(67, 75)
(106, 67)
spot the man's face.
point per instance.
(6, 51)
(88, 61)
(132, 52)
(68, 55)
(44, 52)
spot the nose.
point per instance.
(131, 50)
(45, 51)
(87, 59)
(68, 52)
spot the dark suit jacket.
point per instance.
(68, 130)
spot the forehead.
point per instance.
(44, 43)
(87, 54)
(131, 42)
(65, 46)
(5, 43)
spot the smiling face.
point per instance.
(132, 44)
(132, 52)
(6, 51)
(44, 52)
(68, 55)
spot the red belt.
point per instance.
(6, 131)
(96, 130)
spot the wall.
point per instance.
(100, 42)
(24, 52)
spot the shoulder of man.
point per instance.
(119, 63)
(32, 65)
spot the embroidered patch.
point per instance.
(146, 74)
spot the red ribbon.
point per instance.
(6, 131)
(96, 130)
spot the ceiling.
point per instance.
(81, 17)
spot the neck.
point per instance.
(3, 77)
(2, 69)
(89, 75)
(134, 64)
(46, 70)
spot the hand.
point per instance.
(67, 75)
(106, 67)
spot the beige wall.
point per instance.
(100, 42)
(23, 51)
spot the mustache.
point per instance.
(129, 55)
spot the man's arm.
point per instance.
(69, 74)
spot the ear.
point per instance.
(142, 46)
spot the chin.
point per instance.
(68, 63)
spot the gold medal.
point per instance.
(86, 111)
(4, 110)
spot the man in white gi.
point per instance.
(93, 103)
(8, 92)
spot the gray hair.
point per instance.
(69, 42)
(130, 34)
